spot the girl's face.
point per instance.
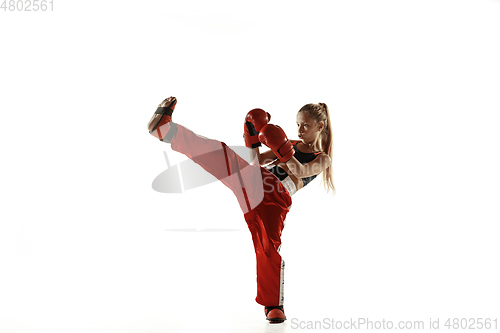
(308, 128)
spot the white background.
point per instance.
(412, 233)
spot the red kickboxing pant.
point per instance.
(262, 198)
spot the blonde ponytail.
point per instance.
(321, 113)
(327, 146)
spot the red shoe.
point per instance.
(162, 117)
(275, 314)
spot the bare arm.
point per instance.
(312, 168)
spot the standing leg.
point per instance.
(262, 198)
(266, 223)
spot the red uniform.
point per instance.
(262, 198)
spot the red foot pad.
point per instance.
(276, 316)
(162, 116)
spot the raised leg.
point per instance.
(244, 179)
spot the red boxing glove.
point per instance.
(275, 138)
(254, 121)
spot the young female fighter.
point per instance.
(263, 193)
